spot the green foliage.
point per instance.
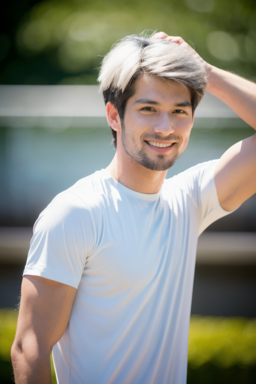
(220, 350)
(67, 38)
(225, 342)
(81, 31)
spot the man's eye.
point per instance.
(150, 109)
(179, 111)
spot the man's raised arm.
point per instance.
(238, 93)
(43, 317)
(235, 173)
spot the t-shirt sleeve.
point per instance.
(210, 209)
(197, 183)
(63, 238)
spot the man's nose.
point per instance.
(164, 125)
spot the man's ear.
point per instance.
(113, 117)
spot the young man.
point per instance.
(108, 280)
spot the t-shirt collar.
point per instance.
(143, 196)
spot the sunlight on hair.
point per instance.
(135, 54)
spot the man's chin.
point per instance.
(160, 163)
(157, 165)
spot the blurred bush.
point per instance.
(220, 350)
(63, 41)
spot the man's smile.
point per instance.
(160, 147)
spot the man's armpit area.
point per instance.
(234, 174)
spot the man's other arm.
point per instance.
(44, 313)
(235, 173)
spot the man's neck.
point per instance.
(134, 176)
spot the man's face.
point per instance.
(157, 122)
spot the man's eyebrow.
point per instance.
(146, 101)
(184, 104)
(152, 102)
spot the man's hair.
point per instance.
(136, 55)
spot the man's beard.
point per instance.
(161, 164)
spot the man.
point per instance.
(109, 276)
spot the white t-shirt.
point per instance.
(131, 257)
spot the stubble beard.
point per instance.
(161, 164)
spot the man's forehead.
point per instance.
(151, 87)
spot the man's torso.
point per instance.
(132, 258)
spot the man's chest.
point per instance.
(139, 244)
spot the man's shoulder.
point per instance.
(86, 190)
(91, 185)
(80, 199)
(192, 174)
(189, 182)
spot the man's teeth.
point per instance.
(160, 145)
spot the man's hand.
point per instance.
(43, 317)
(178, 40)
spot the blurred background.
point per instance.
(53, 129)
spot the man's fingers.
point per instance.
(160, 35)
(175, 39)
(163, 35)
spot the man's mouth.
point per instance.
(160, 145)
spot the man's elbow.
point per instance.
(29, 348)
(16, 350)
(16, 354)
(31, 361)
